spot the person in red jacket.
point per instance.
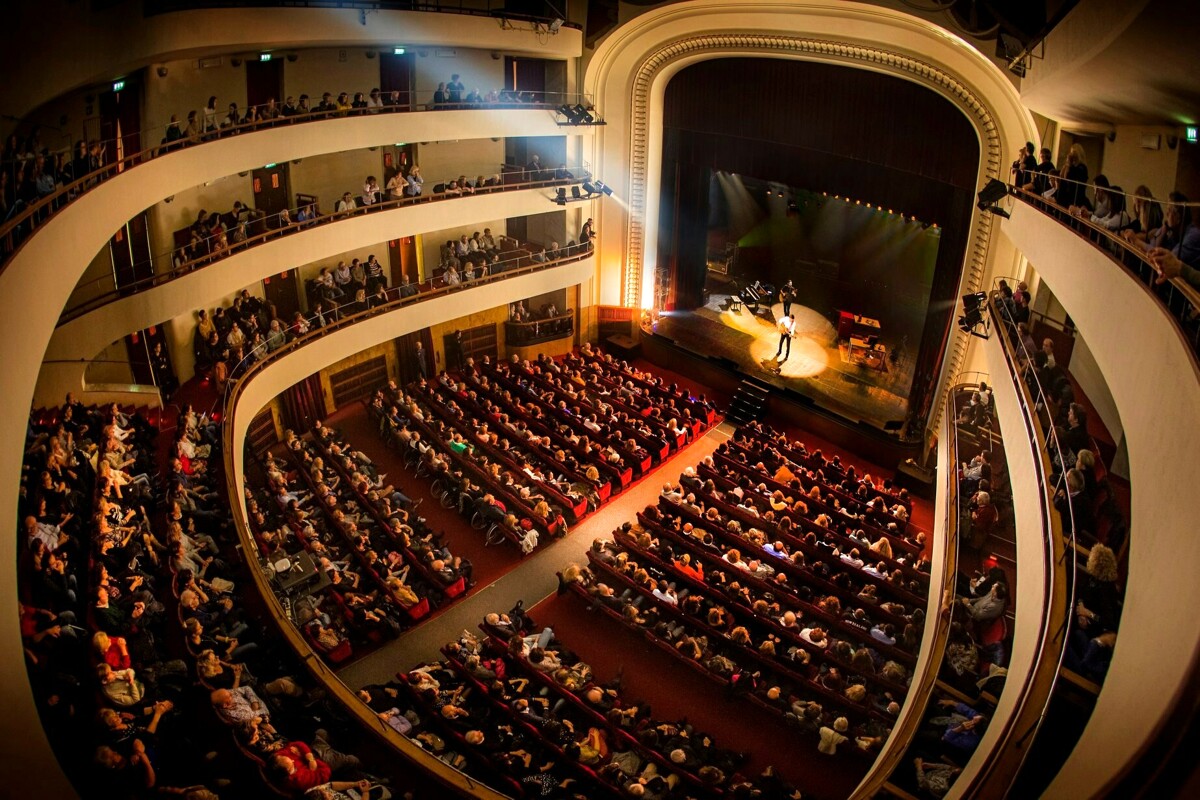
(297, 769)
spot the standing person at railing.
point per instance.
(587, 233)
(370, 191)
(396, 186)
(415, 182)
(455, 89)
(1074, 172)
(210, 115)
(1038, 181)
(1025, 165)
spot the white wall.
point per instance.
(117, 39)
(1155, 383)
(445, 160)
(1086, 372)
(1127, 164)
(476, 69)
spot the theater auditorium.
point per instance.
(600, 399)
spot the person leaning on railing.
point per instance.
(1175, 251)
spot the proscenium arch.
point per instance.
(632, 68)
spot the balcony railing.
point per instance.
(1004, 760)
(933, 649)
(119, 154)
(285, 224)
(319, 669)
(550, 329)
(1180, 299)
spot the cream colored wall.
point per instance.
(1127, 164)
(1159, 631)
(187, 87)
(334, 69)
(117, 39)
(476, 68)
(166, 218)
(445, 160)
(329, 176)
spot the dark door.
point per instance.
(526, 75)
(282, 292)
(264, 81)
(402, 259)
(395, 75)
(406, 355)
(129, 249)
(139, 345)
(120, 123)
(272, 190)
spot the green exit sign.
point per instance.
(118, 86)
(1192, 133)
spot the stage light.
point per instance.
(585, 116)
(575, 193)
(989, 195)
(560, 196)
(779, 194)
(589, 188)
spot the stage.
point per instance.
(819, 367)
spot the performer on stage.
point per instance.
(787, 329)
(787, 294)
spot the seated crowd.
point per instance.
(528, 325)
(378, 567)
(511, 469)
(517, 704)
(1165, 231)
(139, 650)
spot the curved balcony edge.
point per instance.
(1155, 381)
(282, 369)
(104, 46)
(85, 336)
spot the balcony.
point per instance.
(1140, 336)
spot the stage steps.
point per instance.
(749, 402)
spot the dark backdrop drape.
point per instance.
(826, 128)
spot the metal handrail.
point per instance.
(24, 218)
(1029, 711)
(316, 666)
(288, 225)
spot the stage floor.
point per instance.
(817, 367)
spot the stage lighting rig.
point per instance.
(588, 190)
(990, 195)
(577, 114)
(972, 318)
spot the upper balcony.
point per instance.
(1142, 337)
(118, 39)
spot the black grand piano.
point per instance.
(758, 296)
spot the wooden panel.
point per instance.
(614, 321)
(262, 434)
(358, 381)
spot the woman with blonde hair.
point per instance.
(1072, 186)
(1146, 215)
(883, 547)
